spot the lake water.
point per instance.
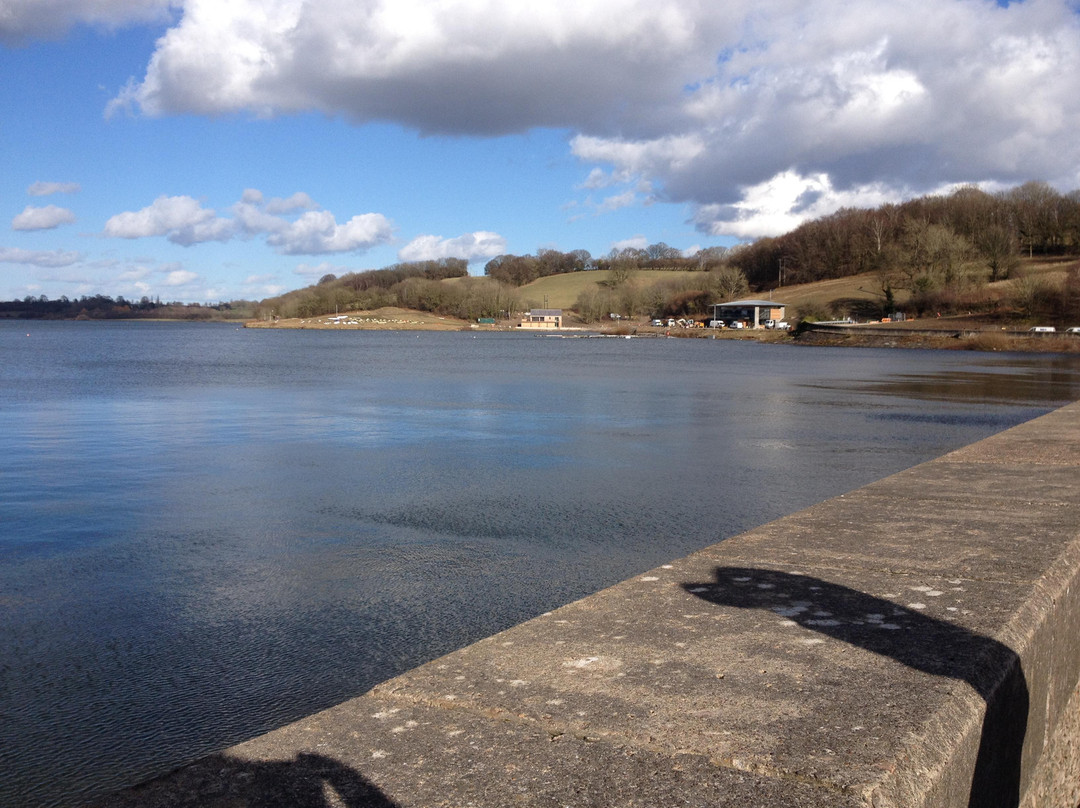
(209, 531)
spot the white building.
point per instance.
(542, 319)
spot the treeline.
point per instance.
(102, 307)
(621, 292)
(518, 270)
(370, 289)
(418, 285)
(931, 243)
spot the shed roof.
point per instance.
(744, 303)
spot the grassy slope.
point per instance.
(857, 287)
(867, 287)
(562, 290)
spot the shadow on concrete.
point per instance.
(217, 781)
(911, 638)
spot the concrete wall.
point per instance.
(912, 643)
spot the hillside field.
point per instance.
(562, 291)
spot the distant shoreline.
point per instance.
(944, 335)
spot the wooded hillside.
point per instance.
(924, 242)
(934, 253)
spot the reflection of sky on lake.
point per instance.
(210, 531)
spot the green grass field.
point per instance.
(560, 291)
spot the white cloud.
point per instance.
(252, 219)
(134, 279)
(470, 246)
(180, 277)
(39, 258)
(182, 219)
(24, 19)
(257, 214)
(638, 242)
(783, 202)
(46, 218)
(263, 285)
(598, 178)
(833, 106)
(133, 275)
(704, 102)
(460, 66)
(48, 188)
(634, 158)
(317, 232)
(298, 201)
(617, 201)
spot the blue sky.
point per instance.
(198, 150)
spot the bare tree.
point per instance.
(998, 248)
(728, 283)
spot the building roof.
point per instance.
(545, 312)
(774, 304)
